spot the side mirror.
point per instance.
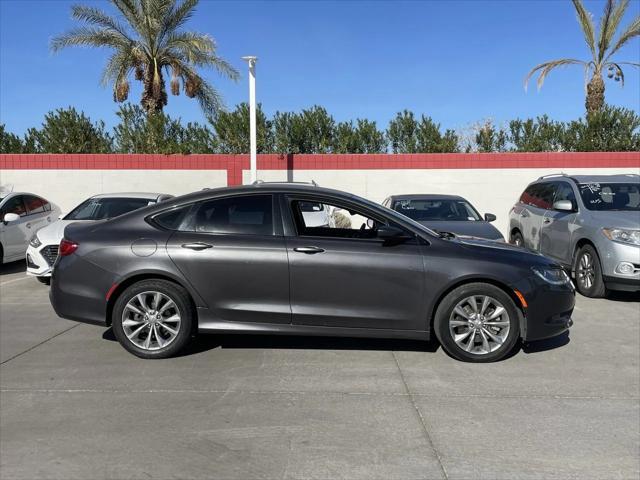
(563, 206)
(489, 217)
(391, 235)
(10, 217)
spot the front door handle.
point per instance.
(28, 225)
(547, 220)
(196, 246)
(524, 213)
(309, 250)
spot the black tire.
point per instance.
(517, 239)
(595, 287)
(44, 280)
(445, 335)
(183, 307)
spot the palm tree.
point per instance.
(602, 50)
(148, 42)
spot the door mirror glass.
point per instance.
(489, 217)
(11, 217)
(563, 206)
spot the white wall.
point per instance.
(67, 188)
(489, 190)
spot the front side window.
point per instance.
(14, 205)
(611, 196)
(565, 192)
(103, 208)
(437, 210)
(327, 220)
(245, 215)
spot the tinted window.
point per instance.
(248, 215)
(539, 195)
(447, 210)
(14, 205)
(34, 204)
(101, 208)
(611, 196)
(172, 220)
(332, 221)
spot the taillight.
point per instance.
(67, 247)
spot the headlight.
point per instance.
(35, 241)
(622, 235)
(554, 276)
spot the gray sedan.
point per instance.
(445, 213)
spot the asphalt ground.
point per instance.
(75, 405)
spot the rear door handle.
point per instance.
(309, 250)
(196, 246)
(547, 220)
(524, 213)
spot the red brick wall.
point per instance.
(235, 164)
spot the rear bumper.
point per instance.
(549, 312)
(74, 297)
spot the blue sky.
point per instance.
(457, 61)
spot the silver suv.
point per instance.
(590, 224)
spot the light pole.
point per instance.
(251, 60)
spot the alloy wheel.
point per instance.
(151, 320)
(479, 324)
(586, 271)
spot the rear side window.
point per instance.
(245, 215)
(34, 204)
(539, 195)
(172, 219)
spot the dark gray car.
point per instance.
(445, 213)
(242, 259)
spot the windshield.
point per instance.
(102, 208)
(611, 196)
(422, 210)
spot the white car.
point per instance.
(43, 247)
(21, 215)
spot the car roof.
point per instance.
(629, 178)
(426, 196)
(144, 195)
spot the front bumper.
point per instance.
(611, 255)
(40, 260)
(549, 310)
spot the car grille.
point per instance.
(50, 253)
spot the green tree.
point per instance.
(310, 131)
(363, 137)
(611, 130)
(407, 135)
(490, 138)
(198, 138)
(150, 44)
(602, 49)
(232, 129)
(67, 131)
(539, 135)
(9, 142)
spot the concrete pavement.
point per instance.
(74, 404)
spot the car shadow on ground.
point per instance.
(204, 343)
(13, 267)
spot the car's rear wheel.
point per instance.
(516, 239)
(589, 281)
(44, 280)
(153, 319)
(477, 322)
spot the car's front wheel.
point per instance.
(477, 322)
(517, 240)
(153, 319)
(589, 281)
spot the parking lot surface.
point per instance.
(74, 404)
